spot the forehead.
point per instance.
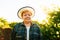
(26, 12)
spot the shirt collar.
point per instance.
(22, 23)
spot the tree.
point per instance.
(54, 17)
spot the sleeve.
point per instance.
(39, 32)
(13, 33)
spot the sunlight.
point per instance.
(42, 8)
(42, 17)
(48, 6)
(39, 15)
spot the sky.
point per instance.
(9, 8)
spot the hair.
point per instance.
(25, 12)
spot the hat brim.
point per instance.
(26, 8)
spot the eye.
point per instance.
(28, 14)
(25, 15)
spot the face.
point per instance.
(26, 16)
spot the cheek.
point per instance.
(23, 17)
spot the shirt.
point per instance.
(27, 32)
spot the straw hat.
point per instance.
(25, 8)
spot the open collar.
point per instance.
(22, 23)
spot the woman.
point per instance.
(26, 30)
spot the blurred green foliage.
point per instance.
(50, 30)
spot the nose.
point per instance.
(27, 15)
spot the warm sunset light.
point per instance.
(8, 9)
(44, 25)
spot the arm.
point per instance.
(40, 36)
(40, 33)
(13, 35)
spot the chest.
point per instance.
(23, 30)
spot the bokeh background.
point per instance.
(47, 16)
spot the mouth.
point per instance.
(27, 18)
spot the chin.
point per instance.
(28, 20)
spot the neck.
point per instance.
(27, 24)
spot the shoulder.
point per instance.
(35, 25)
(18, 24)
(36, 28)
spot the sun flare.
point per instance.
(46, 6)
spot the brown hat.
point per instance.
(25, 8)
